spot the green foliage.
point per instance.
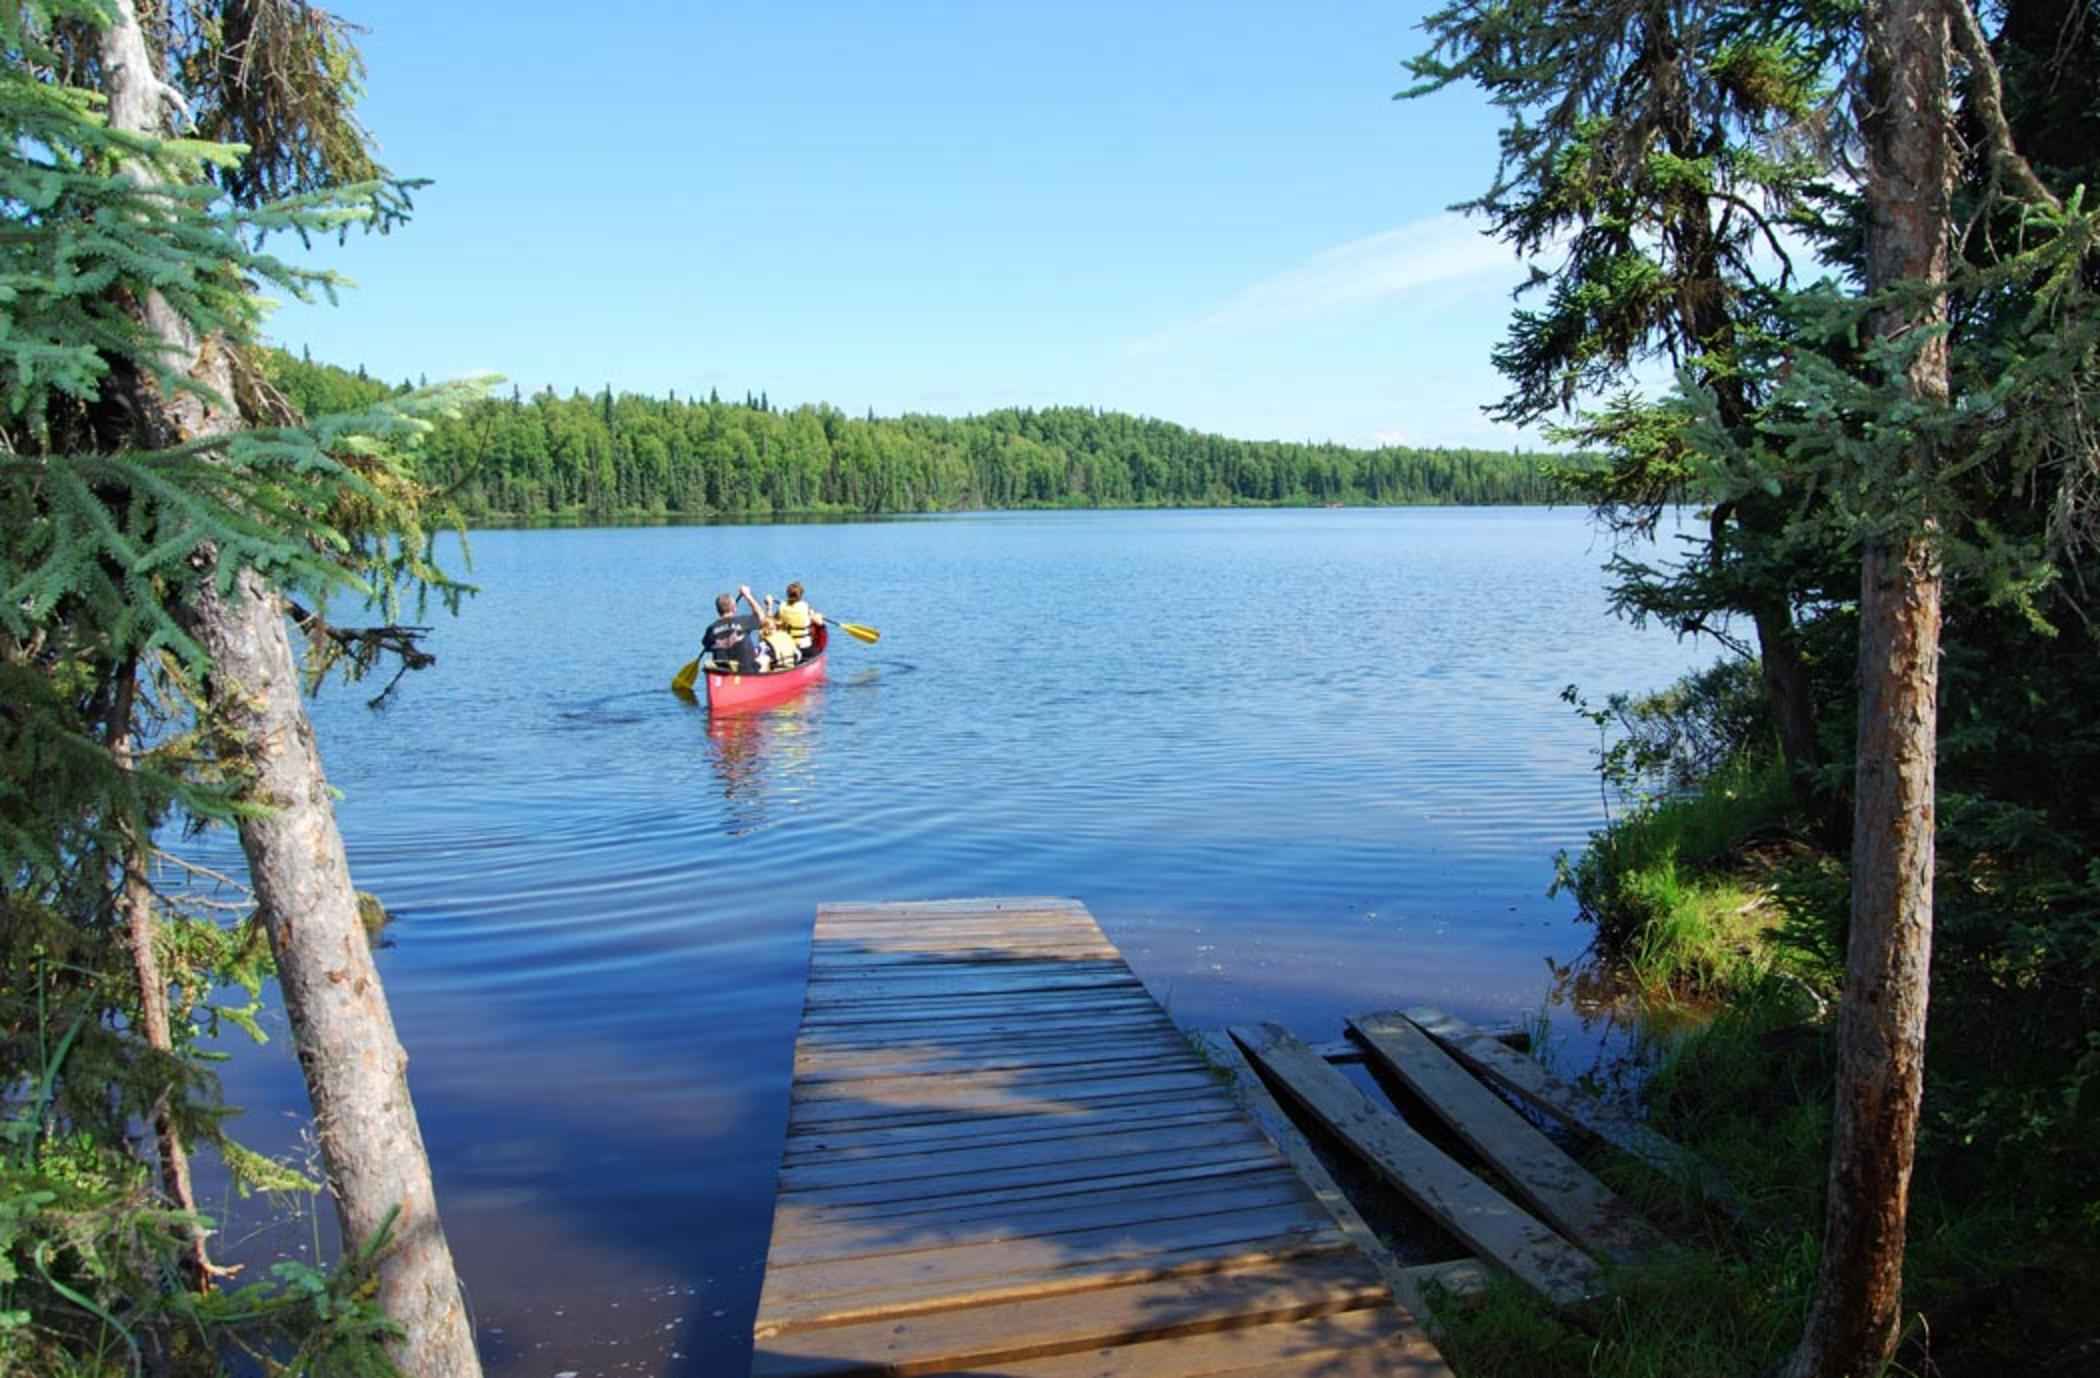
(105, 738)
(1752, 1100)
(1658, 883)
(547, 456)
(1997, 1253)
(1659, 142)
(1672, 740)
(1663, 158)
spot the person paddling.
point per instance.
(731, 638)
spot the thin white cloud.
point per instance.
(1438, 248)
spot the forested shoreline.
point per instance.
(1864, 237)
(543, 456)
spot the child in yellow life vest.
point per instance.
(797, 617)
(780, 646)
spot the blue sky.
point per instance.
(1211, 213)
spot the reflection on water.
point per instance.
(603, 895)
(764, 756)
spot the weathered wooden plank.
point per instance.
(1486, 1057)
(797, 1219)
(798, 1240)
(810, 1079)
(975, 984)
(1262, 1108)
(971, 982)
(1072, 1274)
(831, 961)
(847, 961)
(990, 1026)
(1078, 1274)
(975, 977)
(1120, 1000)
(1030, 1189)
(1488, 1222)
(831, 1292)
(1056, 1136)
(884, 1103)
(833, 915)
(989, 904)
(1543, 1177)
(965, 1178)
(1136, 1025)
(978, 1337)
(845, 950)
(1008, 968)
(960, 1131)
(831, 1232)
(818, 1067)
(888, 1090)
(1379, 1342)
(1090, 1148)
(948, 929)
(947, 1034)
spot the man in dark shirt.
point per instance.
(729, 639)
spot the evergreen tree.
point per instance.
(148, 539)
(1656, 151)
(568, 456)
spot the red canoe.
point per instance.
(731, 692)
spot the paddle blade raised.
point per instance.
(858, 632)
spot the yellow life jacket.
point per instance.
(783, 645)
(795, 617)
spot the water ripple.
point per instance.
(1298, 763)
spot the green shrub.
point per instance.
(1673, 740)
(1657, 886)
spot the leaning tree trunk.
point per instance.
(356, 1071)
(1853, 1323)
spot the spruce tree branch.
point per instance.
(167, 858)
(364, 646)
(1989, 94)
(1700, 626)
(1786, 262)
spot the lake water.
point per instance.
(1299, 764)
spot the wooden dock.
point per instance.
(1003, 1159)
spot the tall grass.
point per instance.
(1662, 887)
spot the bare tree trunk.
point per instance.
(1853, 1325)
(135, 903)
(1786, 684)
(356, 1071)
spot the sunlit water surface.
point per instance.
(1298, 764)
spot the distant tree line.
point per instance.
(545, 455)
